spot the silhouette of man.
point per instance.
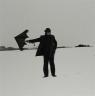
(46, 48)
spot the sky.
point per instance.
(71, 21)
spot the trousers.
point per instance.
(49, 60)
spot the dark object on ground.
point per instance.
(82, 45)
(20, 39)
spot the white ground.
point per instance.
(21, 73)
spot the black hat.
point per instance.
(47, 30)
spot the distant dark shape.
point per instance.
(47, 48)
(20, 39)
(82, 45)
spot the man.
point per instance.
(47, 48)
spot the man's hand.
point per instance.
(28, 41)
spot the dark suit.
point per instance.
(46, 48)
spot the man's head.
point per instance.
(47, 31)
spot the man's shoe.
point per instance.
(54, 75)
(45, 76)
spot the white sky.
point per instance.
(71, 21)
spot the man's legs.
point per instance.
(52, 65)
(45, 67)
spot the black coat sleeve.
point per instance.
(54, 42)
(34, 40)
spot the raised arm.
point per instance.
(33, 40)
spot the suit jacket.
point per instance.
(47, 45)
